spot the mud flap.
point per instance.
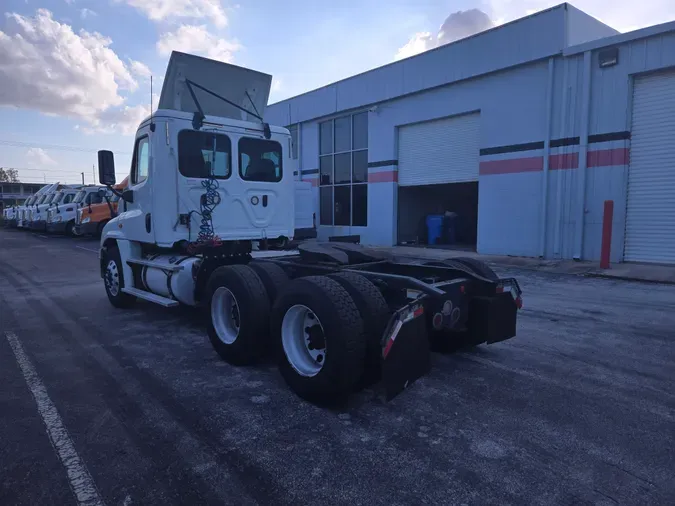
(406, 354)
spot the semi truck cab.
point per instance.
(91, 216)
(62, 211)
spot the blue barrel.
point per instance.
(434, 227)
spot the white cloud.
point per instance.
(159, 10)
(458, 25)
(38, 156)
(276, 84)
(87, 13)
(46, 66)
(198, 40)
(139, 69)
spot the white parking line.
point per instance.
(81, 482)
(87, 249)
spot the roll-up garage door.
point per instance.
(439, 151)
(650, 213)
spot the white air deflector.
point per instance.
(233, 83)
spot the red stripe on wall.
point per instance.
(563, 161)
(513, 166)
(313, 180)
(389, 176)
(598, 158)
(608, 157)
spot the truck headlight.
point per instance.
(86, 220)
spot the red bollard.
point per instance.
(606, 247)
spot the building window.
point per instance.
(343, 171)
(293, 129)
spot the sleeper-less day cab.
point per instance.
(63, 209)
(210, 181)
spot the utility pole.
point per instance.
(82, 178)
(93, 171)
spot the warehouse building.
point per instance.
(520, 133)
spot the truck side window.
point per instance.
(199, 153)
(68, 198)
(260, 160)
(96, 198)
(139, 170)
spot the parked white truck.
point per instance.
(210, 178)
(63, 211)
(24, 211)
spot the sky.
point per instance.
(75, 74)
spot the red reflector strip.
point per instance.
(418, 312)
(387, 348)
(519, 302)
(500, 289)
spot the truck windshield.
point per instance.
(49, 198)
(259, 160)
(80, 196)
(40, 200)
(199, 152)
(57, 198)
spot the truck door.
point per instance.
(137, 220)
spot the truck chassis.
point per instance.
(337, 316)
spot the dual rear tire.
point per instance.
(324, 330)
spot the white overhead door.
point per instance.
(650, 218)
(439, 151)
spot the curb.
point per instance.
(598, 275)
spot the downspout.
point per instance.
(583, 156)
(564, 109)
(547, 154)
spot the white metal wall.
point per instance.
(440, 151)
(650, 220)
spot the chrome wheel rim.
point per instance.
(303, 340)
(225, 315)
(112, 278)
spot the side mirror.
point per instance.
(128, 196)
(106, 167)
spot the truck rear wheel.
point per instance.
(477, 266)
(273, 277)
(113, 278)
(319, 333)
(239, 310)
(375, 314)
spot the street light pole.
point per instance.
(82, 178)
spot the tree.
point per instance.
(9, 175)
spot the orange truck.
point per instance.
(91, 219)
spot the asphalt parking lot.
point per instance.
(103, 406)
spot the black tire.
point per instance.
(252, 340)
(69, 229)
(273, 277)
(120, 299)
(375, 314)
(343, 333)
(477, 266)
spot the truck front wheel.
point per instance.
(113, 278)
(320, 336)
(239, 311)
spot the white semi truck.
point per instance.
(24, 212)
(209, 180)
(61, 215)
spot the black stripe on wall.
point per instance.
(513, 148)
(383, 163)
(568, 141)
(555, 143)
(309, 171)
(613, 136)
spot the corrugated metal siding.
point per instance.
(441, 151)
(650, 220)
